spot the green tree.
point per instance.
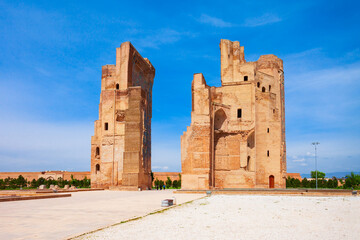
(40, 181)
(2, 184)
(305, 183)
(157, 182)
(168, 183)
(312, 184)
(335, 182)
(176, 184)
(352, 181)
(21, 181)
(293, 182)
(330, 183)
(34, 184)
(161, 183)
(319, 174)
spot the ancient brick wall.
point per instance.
(164, 175)
(237, 134)
(121, 145)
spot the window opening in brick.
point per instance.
(248, 163)
(245, 78)
(117, 86)
(263, 89)
(269, 88)
(106, 126)
(239, 113)
(258, 84)
(97, 152)
(268, 130)
(97, 168)
(268, 153)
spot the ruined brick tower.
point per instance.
(237, 134)
(121, 145)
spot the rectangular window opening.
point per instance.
(245, 78)
(239, 113)
(268, 153)
(268, 130)
(106, 126)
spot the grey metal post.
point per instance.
(315, 145)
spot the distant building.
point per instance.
(294, 175)
(164, 175)
(55, 175)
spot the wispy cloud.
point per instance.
(155, 39)
(213, 21)
(330, 154)
(262, 20)
(299, 160)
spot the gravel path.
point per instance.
(247, 217)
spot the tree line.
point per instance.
(20, 182)
(168, 183)
(352, 181)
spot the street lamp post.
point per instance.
(315, 145)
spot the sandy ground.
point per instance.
(247, 217)
(83, 212)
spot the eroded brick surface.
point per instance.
(121, 145)
(237, 134)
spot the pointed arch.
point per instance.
(271, 181)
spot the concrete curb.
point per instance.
(21, 198)
(289, 192)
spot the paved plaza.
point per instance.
(83, 212)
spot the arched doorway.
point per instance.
(271, 181)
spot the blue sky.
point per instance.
(52, 53)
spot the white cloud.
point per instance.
(332, 154)
(213, 21)
(299, 160)
(155, 39)
(310, 154)
(262, 20)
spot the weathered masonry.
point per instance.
(121, 145)
(237, 134)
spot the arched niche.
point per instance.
(220, 120)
